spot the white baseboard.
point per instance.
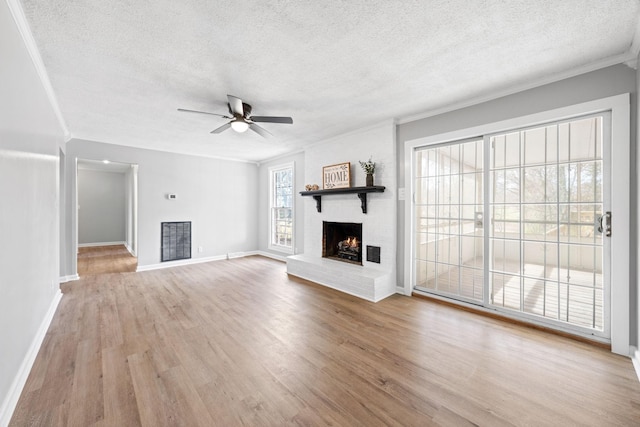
(635, 358)
(170, 264)
(400, 290)
(230, 255)
(282, 258)
(90, 245)
(71, 278)
(11, 400)
(126, 245)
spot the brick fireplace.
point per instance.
(373, 279)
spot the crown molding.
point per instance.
(623, 58)
(390, 123)
(280, 156)
(634, 49)
(30, 43)
(379, 124)
(632, 63)
(163, 150)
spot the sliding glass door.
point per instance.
(449, 219)
(540, 253)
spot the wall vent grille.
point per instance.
(176, 241)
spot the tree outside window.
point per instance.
(281, 204)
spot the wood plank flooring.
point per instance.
(105, 259)
(239, 343)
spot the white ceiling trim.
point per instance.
(628, 58)
(379, 124)
(387, 122)
(183, 153)
(281, 156)
(634, 49)
(100, 165)
(21, 22)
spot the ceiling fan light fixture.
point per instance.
(241, 119)
(239, 125)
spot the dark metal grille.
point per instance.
(176, 240)
(373, 254)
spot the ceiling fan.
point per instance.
(241, 118)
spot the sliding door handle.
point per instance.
(604, 224)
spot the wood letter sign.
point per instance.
(336, 176)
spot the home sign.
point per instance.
(336, 176)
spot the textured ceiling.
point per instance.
(120, 69)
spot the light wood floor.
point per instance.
(238, 342)
(105, 259)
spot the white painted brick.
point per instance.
(371, 281)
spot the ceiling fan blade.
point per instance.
(268, 119)
(222, 128)
(236, 105)
(260, 131)
(203, 112)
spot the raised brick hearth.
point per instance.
(371, 281)
(365, 282)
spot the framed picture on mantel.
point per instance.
(336, 176)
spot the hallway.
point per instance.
(105, 259)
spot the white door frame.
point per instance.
(133, 188)
(620, 204)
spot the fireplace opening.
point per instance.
(342, 241)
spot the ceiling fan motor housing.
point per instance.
(245, 107)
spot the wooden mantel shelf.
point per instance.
(360, 191)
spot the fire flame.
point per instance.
(352, 242)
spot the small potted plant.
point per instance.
(369, 168)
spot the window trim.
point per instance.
(271, 246)
(619, 106)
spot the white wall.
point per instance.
(102, 198)
(298, 208)
(220, 197)
(30, 142)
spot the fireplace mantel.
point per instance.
(360, 191)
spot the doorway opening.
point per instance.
(107, 204)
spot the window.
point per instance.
(281, 208)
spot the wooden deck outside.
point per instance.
(576, 304)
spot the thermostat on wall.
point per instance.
(172, 196)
